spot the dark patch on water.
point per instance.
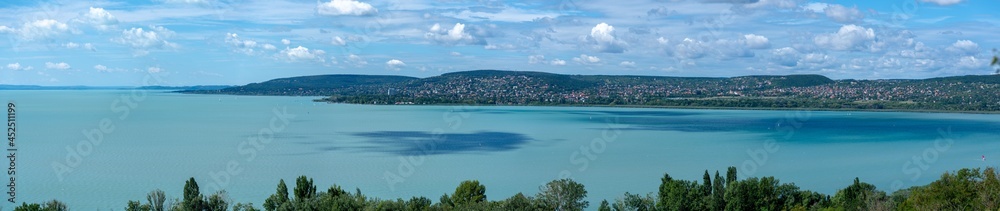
(425, 143)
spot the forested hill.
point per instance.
(491, 87)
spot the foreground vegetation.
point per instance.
(965, 189)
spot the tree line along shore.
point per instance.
(965, 189)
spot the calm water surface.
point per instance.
(245, 144)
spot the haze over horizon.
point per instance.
(235, 42)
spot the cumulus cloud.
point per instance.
(286, 41)
(302, 54)
(964, 48)
(849, 37)
(57, 66)
(356, 60)
(395, 64)
(558, 62)
(39, 29)
(602, 39)
(842, 14)
(754, 41)
(786, 56)
(453, 36)
(101, 68)
(247, 46)
(971, 63)
(345, 7)
(536, 59)
(153, 70)
(98, 18)
(729, 49)
(627, 64)
(17, 66)
(85, 46)
(690, 49)
(943, 2)
(761, 4)
(587, 60)
(663, 41)
(142, 40)
(338, 41)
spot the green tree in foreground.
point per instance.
(192, 196)
(155, 199)
(469, 191)
(563, 194)
(859, 196)
(604, 206)
(277, 199)
(53, 205)
(304, 188)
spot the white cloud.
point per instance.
(338, 41)
(536, 59)
(784, 4)
(627, 64)
(153, 70)
(842, 14)
(85, 46)
(456, 53)
(395, 64)
(453, 36)
(142, 40)
(356, 60)
(943, 2)
(971, 62)
(40, 29)
(101, 68)
(17, 66)
(587, 60)
(964, 48)
(302, 54)
(286, 41)
(754, 41)
(99, 18)
(814, 58)
(603, 39)
(558, 62)
(57, 66)
(500, 46)
(663, 41)
(849, 37)
(786, 56)
(245, 46)
(345, 7)
(690, 49)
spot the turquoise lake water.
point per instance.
(245, 144)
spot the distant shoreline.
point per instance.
(674, 107)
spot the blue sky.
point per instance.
(191, 42)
